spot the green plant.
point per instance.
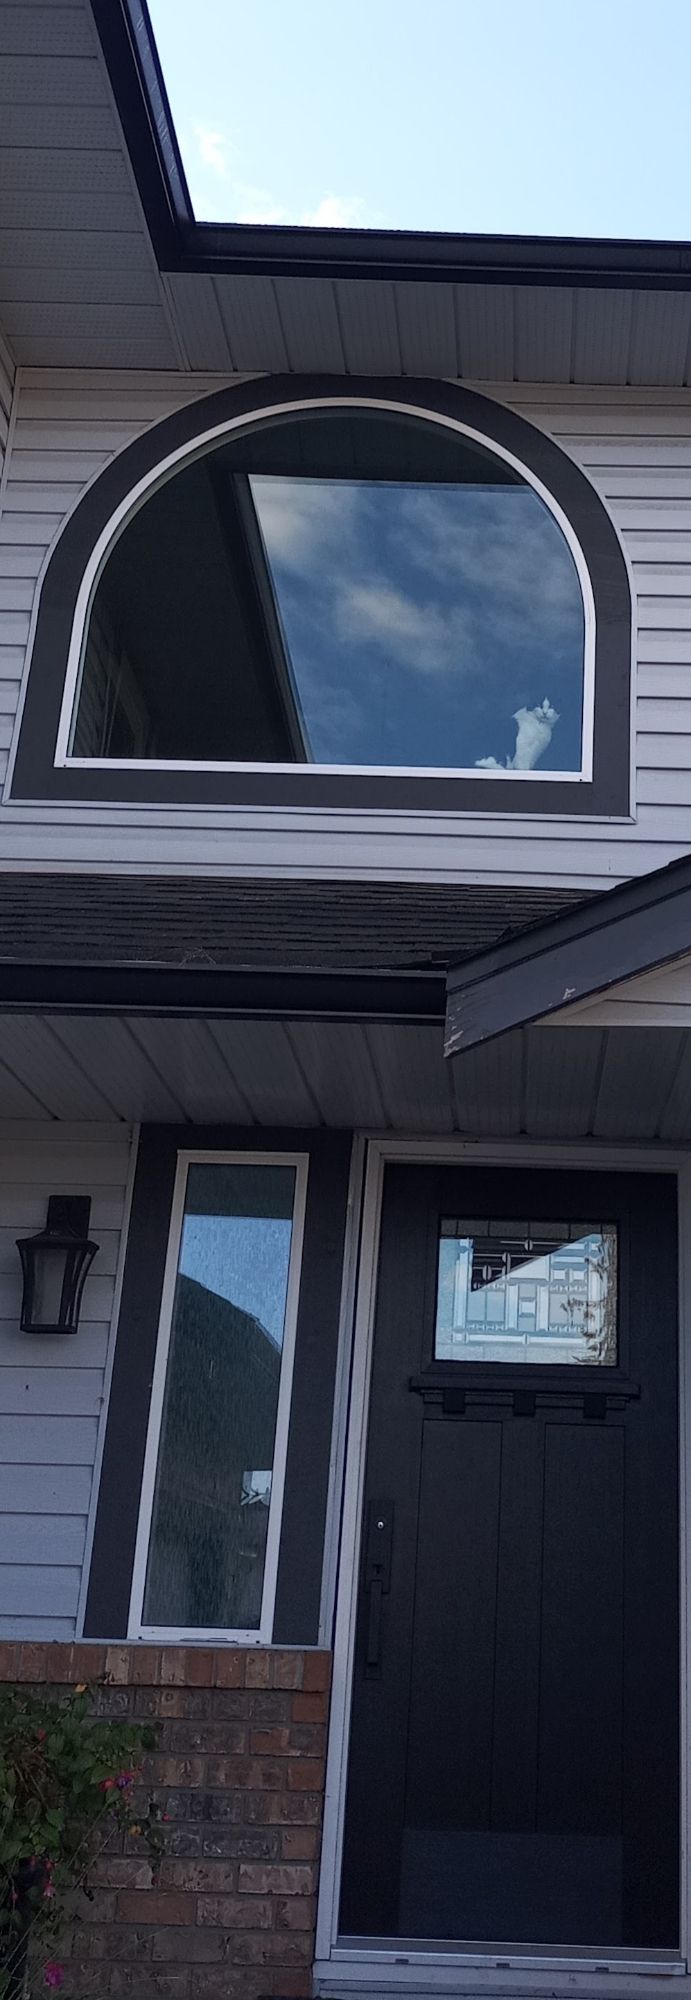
(67, 1787)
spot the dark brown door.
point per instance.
(514, 1745)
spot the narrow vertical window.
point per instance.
(223, 1390)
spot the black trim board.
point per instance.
(278, 994)
(296, 1618)
(183, 244)
(581, 952)
(36, 777)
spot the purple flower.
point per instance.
(53, 1974)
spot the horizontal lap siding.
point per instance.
(636, 448)
(52, 1389)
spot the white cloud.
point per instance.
(504, 535)
(336, 211)
(533, 736)
(303, 521)
(212, 146)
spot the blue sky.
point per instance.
(540, 117)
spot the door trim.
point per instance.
(377, 1966)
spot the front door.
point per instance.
(514, 1745)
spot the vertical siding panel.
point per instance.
(52, 1393)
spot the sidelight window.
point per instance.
(208, 1544)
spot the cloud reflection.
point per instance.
(423, 621)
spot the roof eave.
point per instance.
(183, 244)
(571, 957)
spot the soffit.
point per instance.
(540, 1083)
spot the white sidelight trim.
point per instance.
(369, 1968)
(261, 1635)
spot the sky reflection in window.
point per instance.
(426, 625)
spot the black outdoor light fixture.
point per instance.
(55, 1263)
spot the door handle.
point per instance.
(377, 1575)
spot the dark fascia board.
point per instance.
(244, 994)
(572, 956)
(183, 244)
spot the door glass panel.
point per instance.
(527, 1291)
(215, 1459)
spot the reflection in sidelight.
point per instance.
(527, 1291)
(216, 1450)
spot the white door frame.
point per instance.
(377, 1968)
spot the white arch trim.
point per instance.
(205, 442)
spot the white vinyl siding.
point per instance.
(52, 1388)
(635, 445)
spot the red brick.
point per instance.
(295, 1913)
(154, 1906)
(258, 1669)
(317, 1671)
(307, 1739)
(228, 1983)
(283, 1808)
(199, 1666)
(173, 1666)
(272, 1948)
(118, 1665)
(300, 1843)
(170, 1701)
(117, 1871)
(148, 1982)
(269, 1742)
(211, 1877)
(235, 1912)
(290, 1985)
(32, 1664)
(87, 1663)
(288, 1669)
(246, 1773)
(145, 1666)
(306, 1774)
(312, 1707)
(262, 1878)
(185, 1773)
(229, 1667)
(196, 1946)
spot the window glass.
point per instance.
(527, 1291)
(345, 588)
(215, 1460)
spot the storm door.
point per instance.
(513, 1762)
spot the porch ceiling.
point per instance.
(541, 1082)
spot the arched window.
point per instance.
(351, 594)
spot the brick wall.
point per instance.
(239, 1769)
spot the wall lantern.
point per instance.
(54, 1264)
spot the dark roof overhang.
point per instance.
(575, 954)
(286, 949)
(183, 244)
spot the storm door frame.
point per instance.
(387, 1965)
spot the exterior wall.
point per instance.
(635, 445)
(52, 1389)
(239, 1771)
(6, 388)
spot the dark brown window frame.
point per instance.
(606, 794)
